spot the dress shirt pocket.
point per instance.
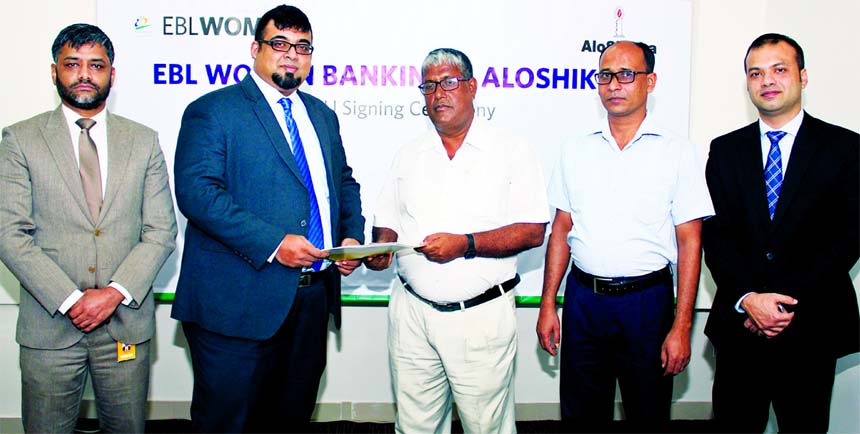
(418, 199)
(652, 207)
(485, 199)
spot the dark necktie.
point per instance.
(315, 231)
(773, 170)
(91, 175)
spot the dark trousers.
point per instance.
(243, 385)
(615, 337)
(798, 380)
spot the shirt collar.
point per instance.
(791, 127)
(475, 137)
(72, 117)
(647, 128)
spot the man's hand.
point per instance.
(765, 316)
(443, 247)
(378, 262)
(675, 352)
(296, 251)
(548, 330)
(95, 307)
(346, 267)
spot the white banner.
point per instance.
(534, 62)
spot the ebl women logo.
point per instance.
(141, 22)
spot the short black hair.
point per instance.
(81, 34)
(649, 56)
(775, 38)
(450, 56)
(284, 17)
(646, 53)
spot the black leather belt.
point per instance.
(308, 279)
(622, 285)
(488, 295)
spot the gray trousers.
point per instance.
(53, 382)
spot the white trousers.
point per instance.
(467, 355)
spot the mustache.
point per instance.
(85, 81)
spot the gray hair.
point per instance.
(448, 56)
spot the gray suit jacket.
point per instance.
(50, 243)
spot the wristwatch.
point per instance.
(470, 251)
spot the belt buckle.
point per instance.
(599, 279)
(304, 280)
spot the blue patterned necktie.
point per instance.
(773, 170)
(315, 231)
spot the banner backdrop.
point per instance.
(534, 63)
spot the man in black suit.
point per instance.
(785, 235)
(261, 174)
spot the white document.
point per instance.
(358, 252)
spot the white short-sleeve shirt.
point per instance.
(625, 204)
(493, 180)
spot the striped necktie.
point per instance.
(773, 170)
(315, 231)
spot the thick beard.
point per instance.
(84, 103)
(288, 81)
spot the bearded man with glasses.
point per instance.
(623, 195)
(262, 177)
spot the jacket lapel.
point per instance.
(56, 134)
(323, 133)
(270, 125)
(119, 152)
(752, 176)
(801, 154)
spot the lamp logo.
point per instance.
(619, 23)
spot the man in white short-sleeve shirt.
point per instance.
(629, 201)
(472, 198)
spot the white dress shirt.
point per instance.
(625, 204)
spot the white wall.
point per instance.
(721, 32)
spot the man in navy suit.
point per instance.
(262, 177)
(785, 189)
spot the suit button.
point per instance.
(91, 269)
(98, 232)
(303, 223)
(769, 256)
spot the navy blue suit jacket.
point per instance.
(807, 250)
(239, 186)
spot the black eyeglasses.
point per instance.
(450, 83)
(284, 46)
(623, 77)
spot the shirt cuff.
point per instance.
(740, 300)
(70, 301)
(127, 296)
(272, 256)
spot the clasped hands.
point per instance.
(94, 308)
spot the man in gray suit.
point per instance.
(86, 222)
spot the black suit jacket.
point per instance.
(807, 250)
